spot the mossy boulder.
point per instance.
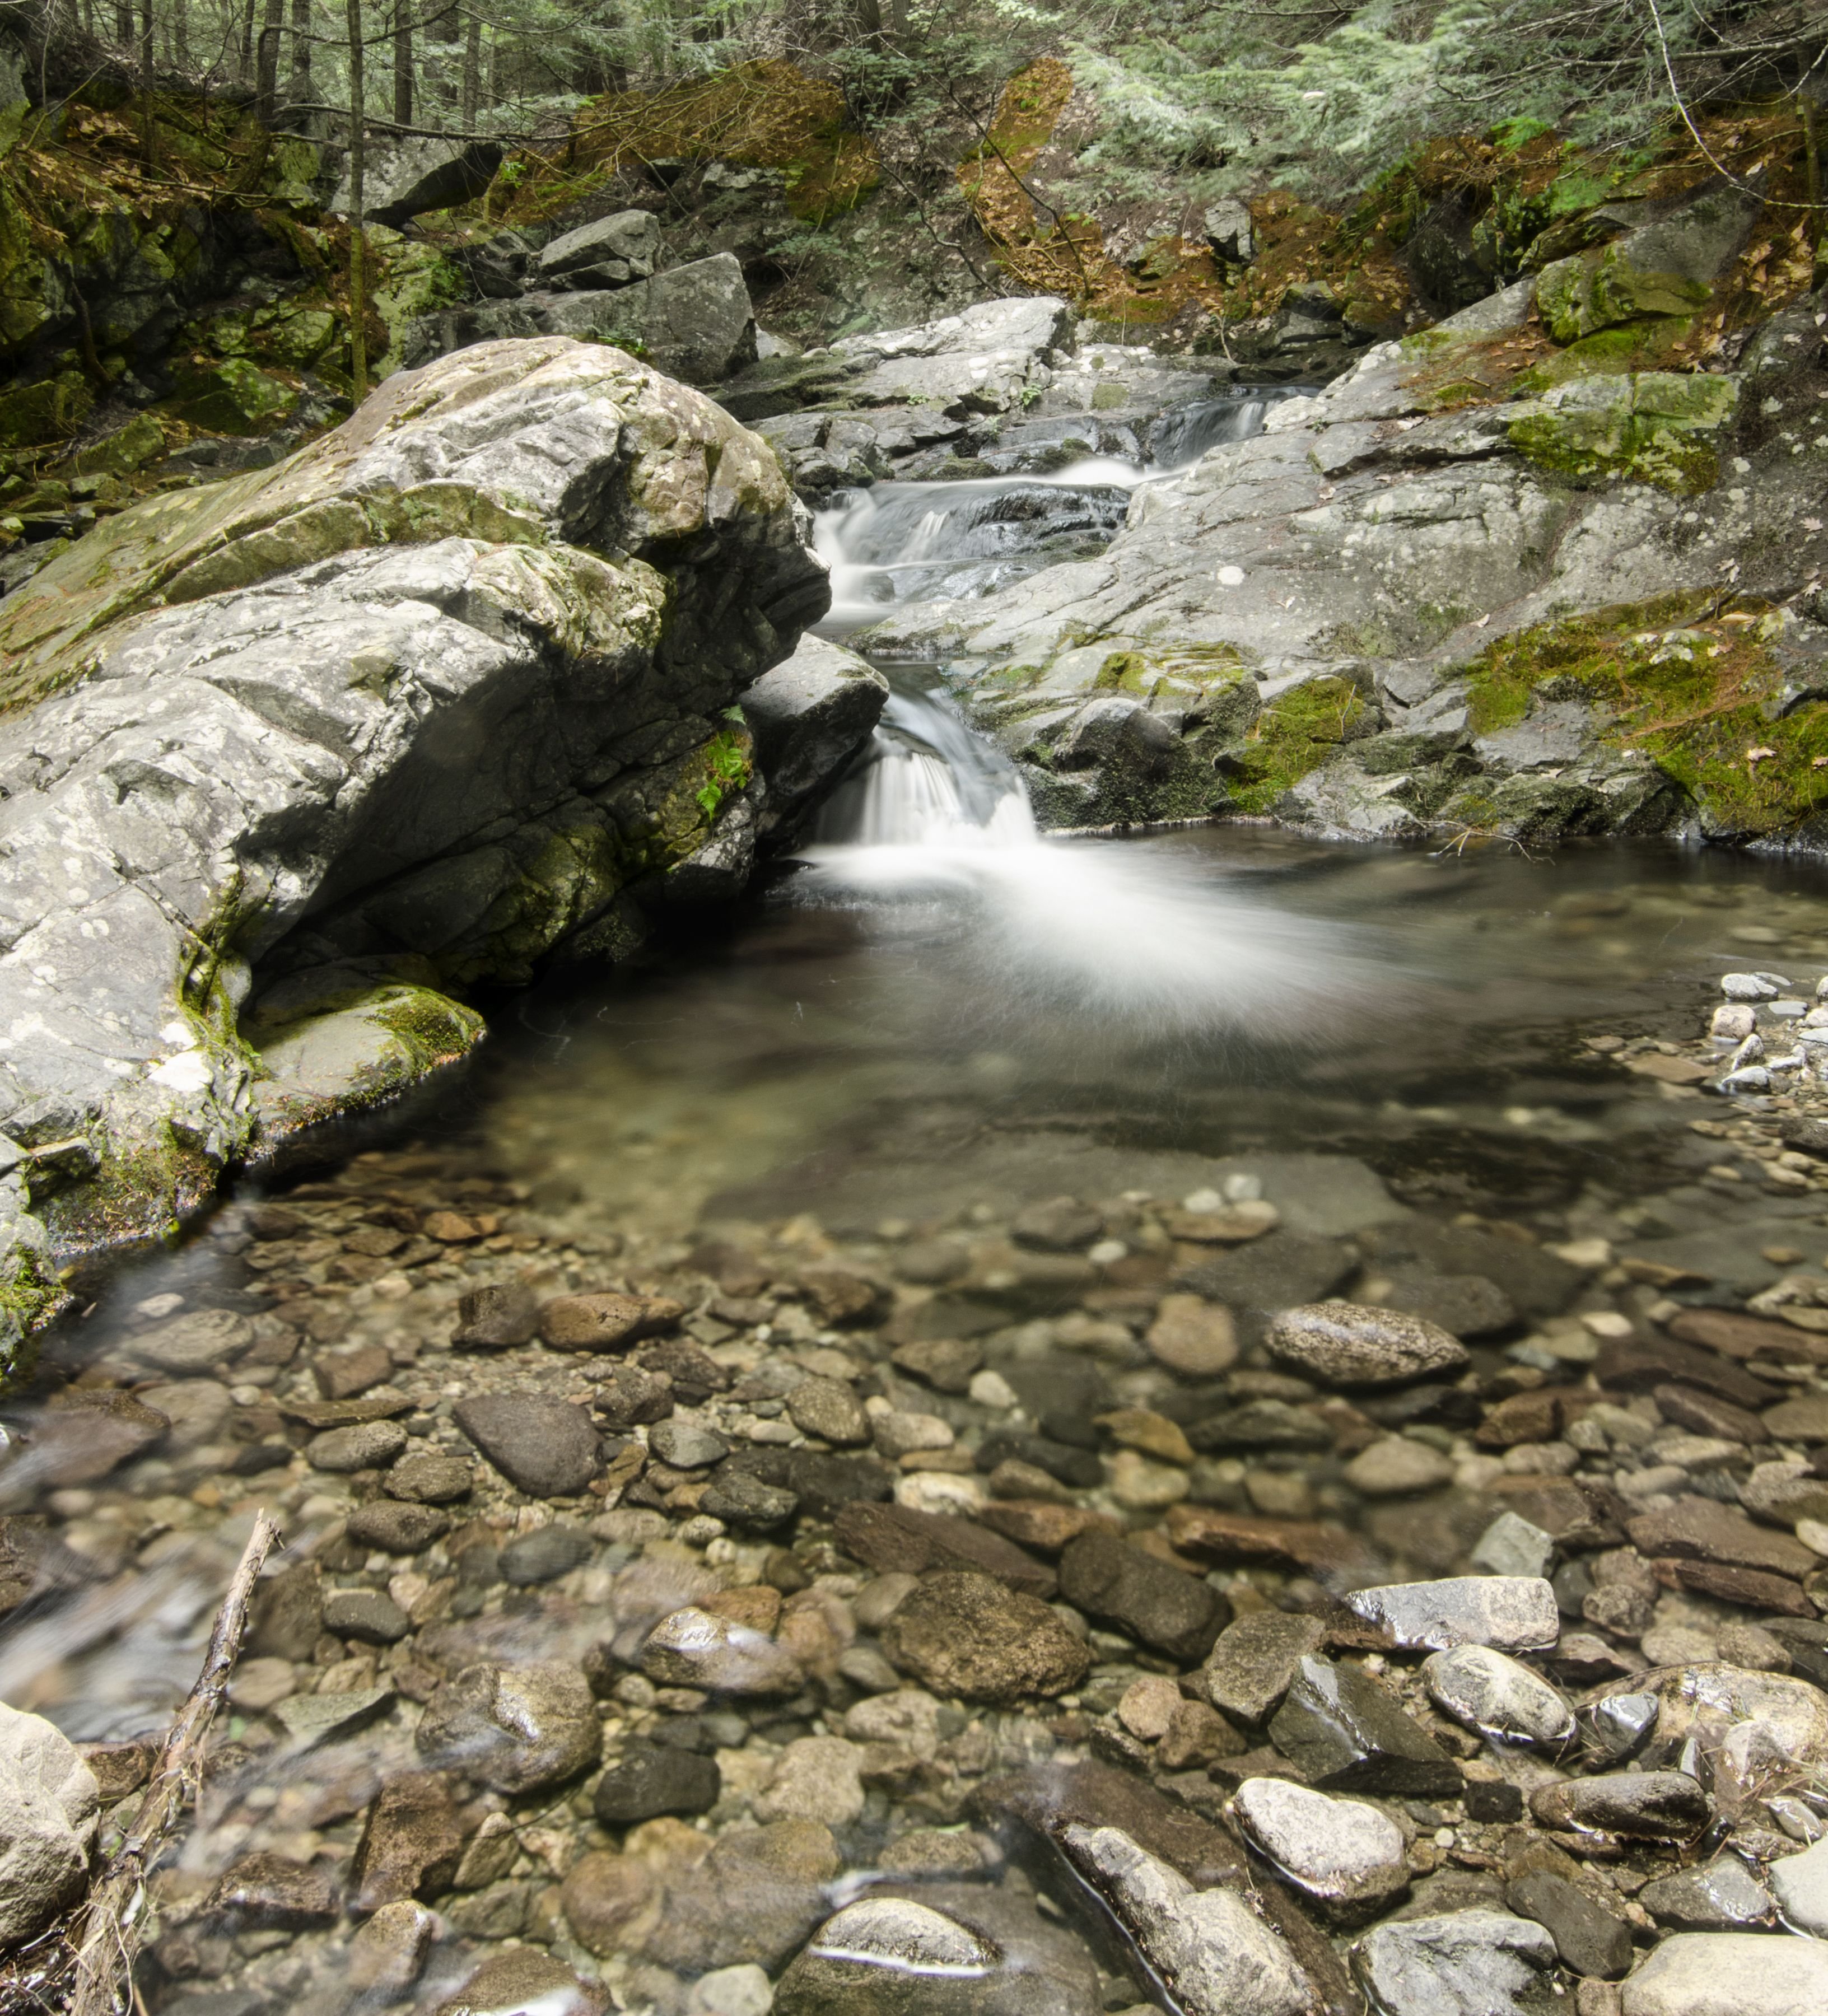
(228, 395)
(141, 440)
(50, 410)
(479, 647)
(1601, 289)
(1652, 427)
(336, 1040)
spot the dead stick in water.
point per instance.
(116, 1910)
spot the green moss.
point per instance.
(1291, 736)
(1594, 290)
(1653, 427)
(230, 395)
(143, 440)
(1637, 345)
(1689, 680)
(53, 409)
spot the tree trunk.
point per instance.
(124, 21)
(246, 62)
(358, 300)
(298, 92)
(146, 79)
(267, 82)
(180, 33)
(403, 67)
(472, 71)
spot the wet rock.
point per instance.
(1395, 1466)
(1748, 1724)
(1511, 1546)
(1273, 1273)
(947, 1951)
(85, 1432)
(742, 1500)
(386, 1954)
(692, 1648)
(342, 1374)
(829, 1409)
(1590, 1939)
(1498, 1697)
(1236, 1536)
(314, 1719)
(1193, 1337)
(1512, 1613)
(971, 1637)
(1475, 1963)
(412, 1843)
(687, 1445)
(1729, 1974)
(730, 1991)
(822, 1484)
(499, 1317)
(842, 1297)
(1039, 1523)
(197, 1341)
(650, 1779)
(754, 1900)
(948, 1364)
(810, 716)
(1705, 1529)
(1647, 1806)
(1348, 1734)
(543, 1555)
(1800, 1884)
(1351, 1343)
(522, 1982)
(605, 1322)
(547, 1447)
(1056, 1225)
(120, 1768)
(1720, 1896)
(1169, 1611)
(518, 1729)
(1215, 1955)
(1344, 1856)
(429, 1480)
(49, 1801)
(366, 1445)
(633, 1397)
(816, 1778)
(1256, 1657)
(370, 1615)
(267, 1893)
(896, 1539)
(397, 1527)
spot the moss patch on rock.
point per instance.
(1652, 427)
(1294, 734)
(1693, 681)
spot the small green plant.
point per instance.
(728, 759)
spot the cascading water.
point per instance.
(924, 542)
(934, 824)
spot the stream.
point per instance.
(933, 1125)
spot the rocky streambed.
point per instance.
(790, 1507)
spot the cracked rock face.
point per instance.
(403, 713)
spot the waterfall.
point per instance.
(925, 779)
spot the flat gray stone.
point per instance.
(1800, 1884)
(1473, 1962)
(1730, 1973)
(1722, 1896)
(311, 1719)
(1512, 1613)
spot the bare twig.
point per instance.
(117, 1911)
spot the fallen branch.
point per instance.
(116, 1912)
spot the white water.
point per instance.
(935, 820)
(895, 542)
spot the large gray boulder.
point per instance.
(403, 178)
(447, 690)
(49, 1801)
(693, 323)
